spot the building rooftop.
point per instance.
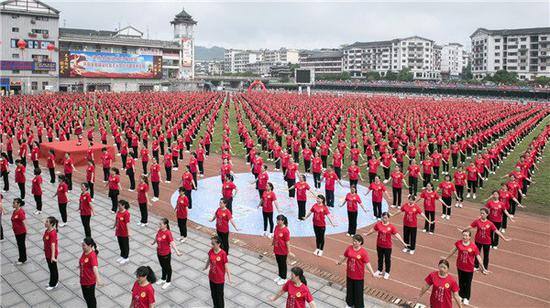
(369, 44)
(183, 18)
(314, 54)
(111, 37)
(524, 31)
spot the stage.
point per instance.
(248, 216)
(77, 152)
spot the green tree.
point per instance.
(503, 77)
(373, 76)
(467, 72)
(405, 74)
(390, 75)
(542, 80)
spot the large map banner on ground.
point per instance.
(109, 65)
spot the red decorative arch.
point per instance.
(256, 84)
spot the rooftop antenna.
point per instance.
(147, 30)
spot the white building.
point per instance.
(452, 60)
(257, 61)
(324, 61)
(522, 51)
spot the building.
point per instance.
(209, 68)
(415, 53)
(184, 27)
(452, 60)
(323, 62)
(257, 62)
(29, 33)
(437, 57)
(522, 51)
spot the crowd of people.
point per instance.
(441, 151)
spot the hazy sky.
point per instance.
(307, 24)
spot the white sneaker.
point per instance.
(175, 169)
(316, 252)
(474, 196)
(270, 235)
(277, 279)
(386, 276)
(160, 281)
(167, 182)
(281, 282)
(377, 273)
(468, 195)
(503, 230)
(405, 250)
(119, 259)
(130, 189)
(494, 247)
(183, 239)
(392, 206)
(424, 230)
(63, 224)
(166, 285)
(51, 288)
(448, 217)
(385, 181)
(466, 301)
(411, 252)
(124, 261)
(443, 216)
(265, 233)
(430, 233)
(37, 212)
(320, 253)
(461, 205)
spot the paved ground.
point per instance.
(24, 286)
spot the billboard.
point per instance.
(89, 64)
(27, 66)
(187, 52)
(304, 76)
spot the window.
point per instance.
(522, 68)
(497, 67)
(13, 43)
(44, 85)
(41, 18)
(523, 39)
(543, 38)
(14, 16)
(40, 31)
(15, 56)
(14, 29)
(543, 68)
(497, 40)
(34, 85)
(15, 72)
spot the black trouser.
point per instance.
(460, 192)
(38, 200)
(436, 172)
(324, 160)
(52, 175)
(54, 274)
(290, 183)
(504, 223)
(168, 173)
(354, 293)
(413, 186)
(106, 173)
(6, 180)
(377, 208)
(445, 166)
(1, 228)
(113, 194)
(319, 237)
(352, 222)
(428, 226)
(494, 235)
(260, 192)
(132, 178)
(307, 165)
(384, 258)
(166, 266)
(86, 225)
(156, 155)
(69, 179)
(201, 167)
(124, 244)
(465, 283)
(338, 171)
(144, 213)
(63, 211)
(224, 237)
(386, 172)
(396, 196)
(427, 177)
(182, 224)
(301, 209)
(371, 177)
(317, 180)
(353, 182)
(156, 191)
(472, 185)
(89, 295)
(216, 291)
(409, 236)
(281, 264)
(91, 189)
(329, 194)
(10, 157)
(161, 148)
(268, 218)
(229, 204)
(21, 247)
(188, 195)
(486, 249)
(175, 161)
(124, 158)
(35, 164)
(144, 166)
(278, 163)
(22, 190)
(447, 201)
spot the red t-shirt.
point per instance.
(90, 174)
(330, 179)
(84, 204)
(187, 180)
(20, 174)
(17, 218)
(447, 189)
(429, 200)
(301, 191)
(36, 186)
(460, 178)
(164, 238)
(281, 236)
(427, 166)
(263, 178)
(143, 188)
(62, 190)
(496, 210)
(356, 262)
(471, 172)
(291, 171)
(87, 263)
(181, 207)
(442, 289)
(297, 296)
(411, 210)
(319, 213)
(114, 180)
(222, 220)
(484, 229)
(373, 165)
(50, 238)
(267, 201)
(143, 296)
(227, 190)
(352, 201)
(122, 220)
(68, 166)
(353, 172)
(397, 179)
(414, 170)
(466, 256)
(155, 173)
(377, 191)
(385, 233)
(216, 274)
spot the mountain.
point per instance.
(208, 54)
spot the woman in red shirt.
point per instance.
(142, 198)
(86, 209)
(447, 189)
(143, 293)
(181, 214)
(290, 176)
(384, 243)
(122, 232)
(37, 190)
(114, 188)
(20, 177)
(269, 200)
(316, 167)
(430, 196)
(413, 170)
(281, 247)
(19, 226)
(298, 292)
(467, 253)
(261, 181)
(68, 169)
(223, 217)
(302, 187)
(4, 170)
(229, 191)
(219, 266)
(444, 288)
(410, 223)
(189, 184)
(460, 181)
(90, 177)
(397, 181)
(352, 200)
(497, 209)
(472, 175)
(155, 179)
(320, 211)
(165, 243)
(62, 194)
(378, 192)
(51, 250)
(131, 172)
(89, 273)
(354, 174)
(356, 258)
